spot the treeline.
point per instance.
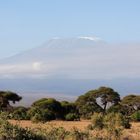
(103, 100)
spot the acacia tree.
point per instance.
(107, 95)
(6, 97)
(87, 105)
(97, 100)
(131, 102)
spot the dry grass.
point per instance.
(132, 134)
(68, 125)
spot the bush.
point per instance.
(126, 122)
(71, 117)
(97, 121)
(14, 132)
(43, 116)
(136, 116)
(37, 114)
(50, 104)
(32, 111)
(19, 113)
(112, 124)
(117, 120)
(80, 135)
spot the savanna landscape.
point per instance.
(98, 114)
(69, 70)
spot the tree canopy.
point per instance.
(97, 100)
(132, 102)
(6, 97)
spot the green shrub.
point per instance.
(71, 117)
(19, 113)
(117, 120)
(51, 104)
(32, 111)
(80, 135)
(136, 116)
(43, 116)
(112, 123)
(126, 122)
(97, 121)
(14, 132)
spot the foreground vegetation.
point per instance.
(64, 130)
(109, 116)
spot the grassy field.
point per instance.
(132, 134)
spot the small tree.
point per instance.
(51, 105)
(131, 103)
(87, 105)
(6, 97)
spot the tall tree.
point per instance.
(6, 97)
(87, 105)
(97, 100)
(107, 95)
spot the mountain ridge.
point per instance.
(82, 63)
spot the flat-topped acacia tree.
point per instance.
(107, 95)
(97, 100)
(6, 97)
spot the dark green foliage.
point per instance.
(37, 114)
(107, 95)
(97, 121)
(50, 104)
(6, 97)
(43, 116)
(14, 132)
(132, 103)
(96, 101)
(86, 105)
(68, 107)
(32, 111)
(112, 123)
(114, 109)
(19, 113)
(11, 96)
(119, 108)
(72, 117)
(136, 116)
(100, 121)
(126, 122)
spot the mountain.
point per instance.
(66, 68)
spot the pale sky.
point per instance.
(26, 24)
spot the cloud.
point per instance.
(7, 69)
(90, 38)
(36, 66)
(96, 62)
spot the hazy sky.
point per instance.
(26, 24)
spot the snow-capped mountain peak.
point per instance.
(90, 38)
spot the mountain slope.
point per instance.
(69, 67)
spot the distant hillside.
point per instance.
(72, 66)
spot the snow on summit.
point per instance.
(90, 38)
